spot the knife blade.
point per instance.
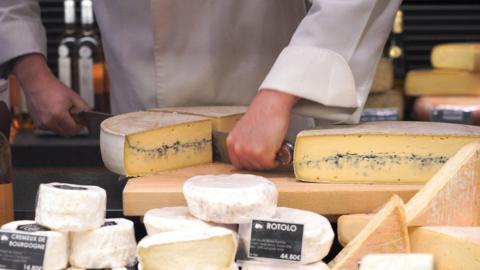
(92, 120)
(220, 151)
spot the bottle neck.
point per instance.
(87, 14)
(69, 9)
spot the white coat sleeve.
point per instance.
(21, 30)
(331, 59)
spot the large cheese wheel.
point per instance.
(463, 56)
(442, 82)
(461, 109)
(230, 199)
(70, 208)
(56, 251)
(110, 246)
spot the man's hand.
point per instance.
(254, 141)
(49, 101)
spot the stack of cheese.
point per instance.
(384, 101)
(443, 218)
(73, 219)
(141, 143)
(451, 91)
(203, 235)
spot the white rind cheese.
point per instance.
(142, 143)
(111, 246)
(200, 249)
(397, 262)
(56, 251)
(169, 219)
(262, 265)
(70, 208)
(230, 199)
(318, 234)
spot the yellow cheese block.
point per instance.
(142, 143)
(453, 248)
(464, 56)
(389, 99)
(223, 118)
(378, 152)
(385, 233)
(383, 80)
(442, 82)
(348, 226)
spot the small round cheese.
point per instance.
(56, 251)
(263, 265)
(70, 208)
(317, 232)
(230, 199)
(110, 246)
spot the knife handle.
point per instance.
(285, 154)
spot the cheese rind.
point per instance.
(391, 99)
(263, 265)
(348, 226)
(317, 232)
(452, 247)
(111, 246)
(56, 250)
(442, 83)
(70, 208)
(201, 249)
(230, 199)
(385, 233)
(383, 80)
(463, 56)
(378, 152)
(141, 143)
(397, 262)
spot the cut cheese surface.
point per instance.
(223, 117)
(141, 143)
(383, 80)
(348, 226)
(442, 83)
(453, 248)
(452, 196)
(391, 99)
(398, 262)
(465, 110)
(464, 56)
(385, 233)
(230, 199)
(378, 152)
(200, 249)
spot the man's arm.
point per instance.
(23, 43)
(330, 62)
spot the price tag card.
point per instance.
(276, 240)
(22, 251)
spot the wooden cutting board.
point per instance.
(165, 189)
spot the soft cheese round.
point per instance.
(70, 208)
(273, 265)
(230, 199)
(168, 219)
(56, 251)
(111, 246)
(317, 232)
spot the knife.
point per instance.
(90, 119)
(220, 151)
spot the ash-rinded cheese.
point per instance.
(317, 232)
(397, 262)
(70, 208)
(230, 199)
(383, 80)
(463, 56)
(223, 118)
(140, 143)
(385, 233)
(378, 152)
(56, 250)
(111, 246)
(453, 248)
(200, 249)
(169, 219)
(263, 265)
(442, 82)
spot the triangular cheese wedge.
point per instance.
(385, 233)
(348, 226)
(452, 196)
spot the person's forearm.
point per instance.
(31, 69)
(282, 99)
